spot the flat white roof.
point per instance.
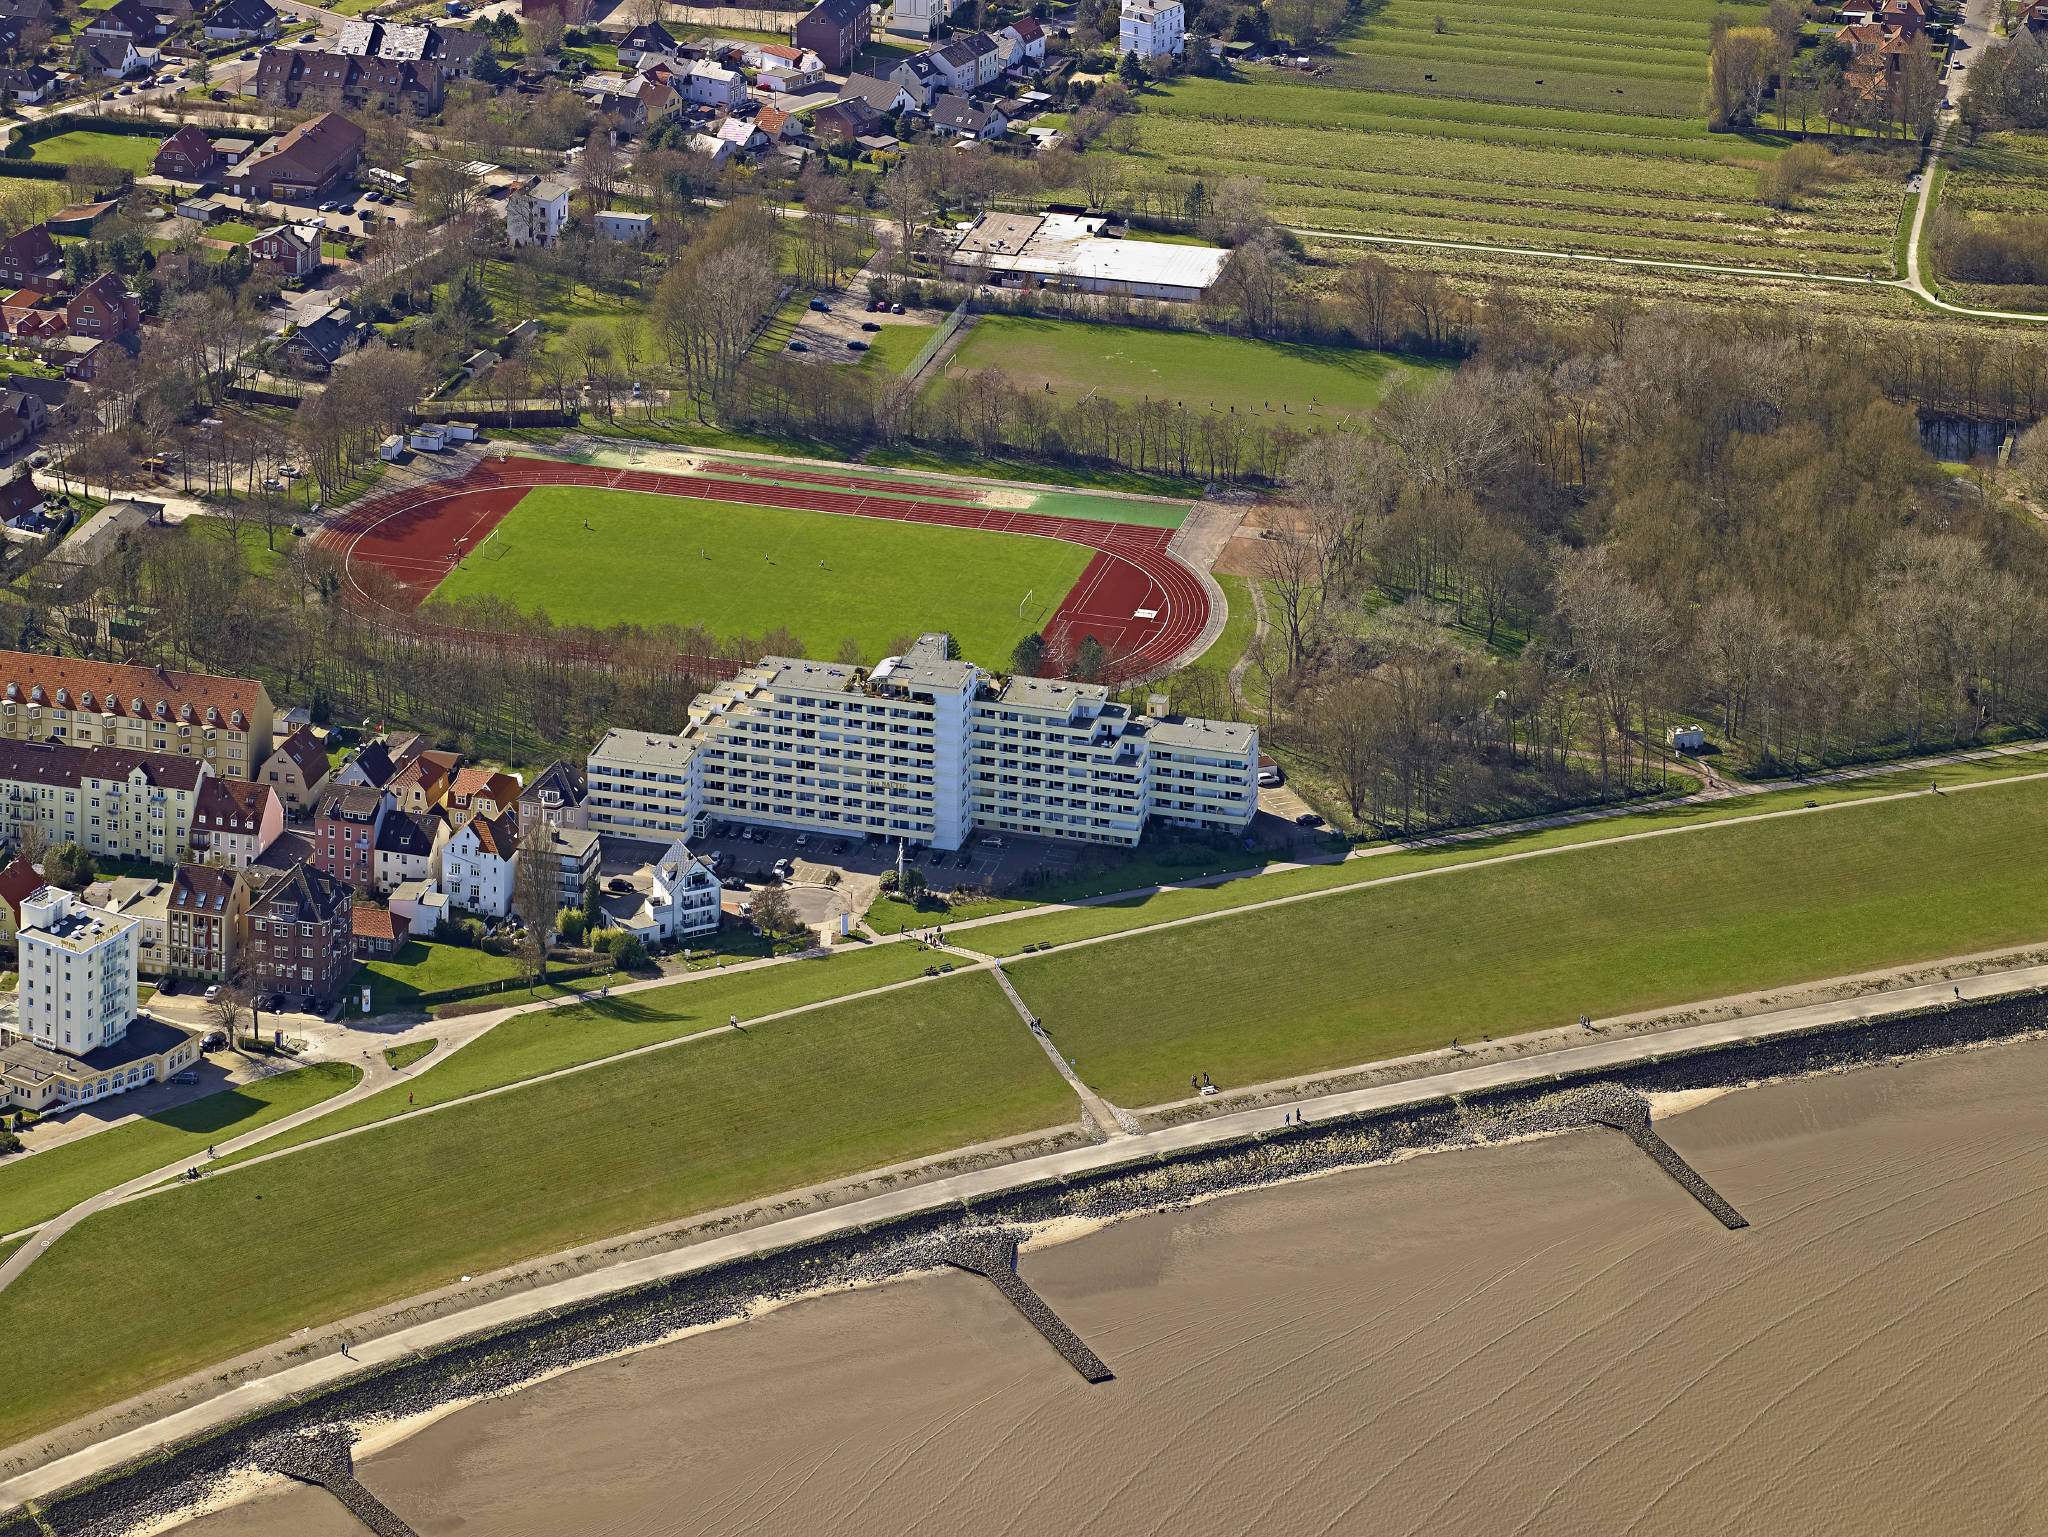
(1066, 245)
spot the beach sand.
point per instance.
(1542, 1338)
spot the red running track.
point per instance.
(1142, 604)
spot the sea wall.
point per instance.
(504, 1360)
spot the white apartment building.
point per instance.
(1150, 28)
(78, 969)
(929, 749)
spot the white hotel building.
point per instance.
(78, 972)
(927, 748)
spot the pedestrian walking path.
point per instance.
(369, 1355)
(1110, 1121)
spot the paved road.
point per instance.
(372, 1353)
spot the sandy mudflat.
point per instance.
(1545, 1338)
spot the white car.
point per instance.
(1269, 776)
(213, 992)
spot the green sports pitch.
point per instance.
(598, 557)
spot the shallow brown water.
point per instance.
(1545, 1338)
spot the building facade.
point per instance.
(296, 769)
(302, 936)
(204, 918)
(224, 721)
(78, 973)
(1150, 28)
(345, 828)
(925, 748)
(535, 215)
(477, 869)
(234, 821)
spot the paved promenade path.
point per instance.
(369, 1354)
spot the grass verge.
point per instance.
(400, 1057)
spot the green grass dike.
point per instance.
(1503, 948)
(36, 1188)
(146, 1292)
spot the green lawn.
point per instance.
(38, 1188)
(262, 552)
(239, 234)
(400, 1057)
(1502, 949)
(1255, 379)
(334, 1230)
(894, 348)
(825, 577)
(424, 966)
(131, 152)
(1063, 927)
(890, 916)
(548, 1040)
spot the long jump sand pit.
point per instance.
(1542, 1338)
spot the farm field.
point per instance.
(646, 559)
(38, 1188)
(1202, 372)
(1564, 129)
(329, 1231)
(1507, 948)
(131, 152)
(2001, 176)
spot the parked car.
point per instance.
(168, 986)
(1269, 775)
(213, 992)
(251, 54)
(821, 305)
(869, 325)
(188, 1076)
(1308, 819)
(895, 309)
(857, 346)
(799, 347)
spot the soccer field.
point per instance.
(738, 570)
(1201, 372)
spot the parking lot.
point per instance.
(983, 863)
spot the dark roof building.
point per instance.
(835, 30)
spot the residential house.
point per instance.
(784, 56)
(345, 828)
(127, 21)
(79, 357)
(293, 249)
(421, 906)
(656, 99)
(103, 309)
(555, 796)
(712, 85)
(241, 21)
(22, 416)
(374, 764)
(29, 12)
(1022, 43)
(626, 228)
(919, 75)
(193, 714)
(322, 338)
(234, 821)
(187, 155)
(31, 259)
(204, 917)
(422, 783)
(882, 96)
(1151, 28)
(536, 213)
(78, 969)
(31, 85)
(656, 890)
(482, 792)
(112, 58)
(296, 769)
(380, 933)
(146, 899)
(577, 853)
(784, 81)
(847, 119)
(648, 43)
(742, 134)
(405, 846)
(303, 164)
(969, 63)
(836, 31)
(288, 75)
(956, 115)
(21, 501)
(713, 148)
(477, 871)
(302, 936)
